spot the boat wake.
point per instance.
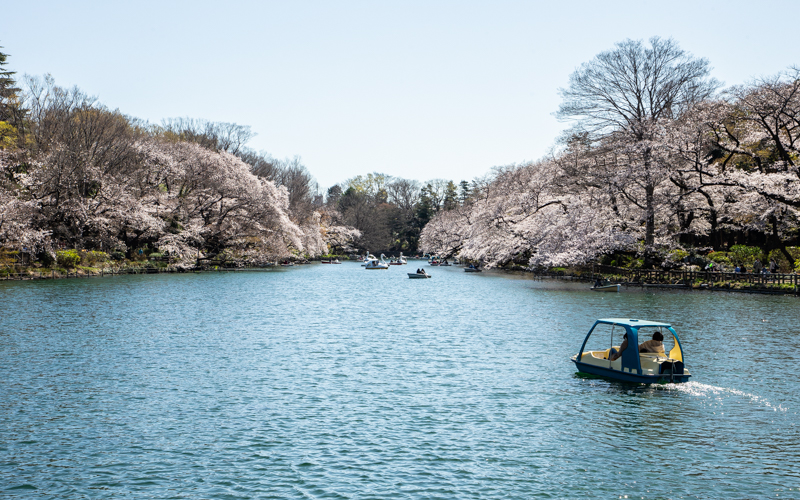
(707, 390)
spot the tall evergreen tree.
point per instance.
(11, 113)
(8, 89)
(450, 196)
(464, 192)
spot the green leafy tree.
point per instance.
(68, 258)
(425, 209)
(450, 196)
(743, 254)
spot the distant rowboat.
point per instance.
(415, 276)
(606, 288)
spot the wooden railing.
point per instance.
(688, 277)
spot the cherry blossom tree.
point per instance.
(214, 199)
(525, 213)
(17, 210)
(624, 98)
(98, 179)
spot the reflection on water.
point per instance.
(334, 381)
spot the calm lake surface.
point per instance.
(331, 381)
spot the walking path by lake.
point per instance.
(336, 382)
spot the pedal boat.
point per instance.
(633, 366)
(377, 264)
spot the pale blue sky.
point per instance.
(415, 89)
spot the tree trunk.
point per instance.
(779, 243)
(650, 227)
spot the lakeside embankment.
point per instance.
(770, 283)
(760, 283)
(31, 273)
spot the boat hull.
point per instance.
(415, 276)
(606, 288)
(629, 377)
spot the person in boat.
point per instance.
(598, 283)
(655, 345)
(615, 353)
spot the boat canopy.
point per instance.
(635, 323)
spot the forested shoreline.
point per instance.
(660, 169)
(85, 185)
(81, 183)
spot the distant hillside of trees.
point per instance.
(390, 212)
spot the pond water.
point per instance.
(331, 381)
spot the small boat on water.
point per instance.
(438, 261)
(629, 361)
(377, 264)
(336, 261)
(472, 269)
(368, 257)
(601, 285)
(398, 261)
(422, 275)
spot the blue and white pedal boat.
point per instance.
(631, 366)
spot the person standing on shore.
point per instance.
(773, 266)
(757, 266)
